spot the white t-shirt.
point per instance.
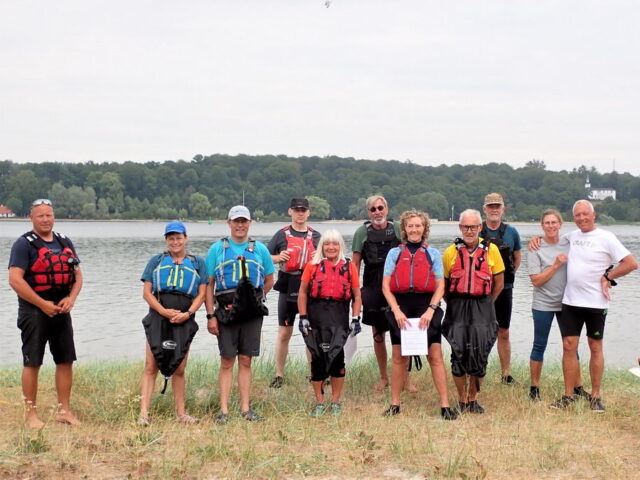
(590, 254)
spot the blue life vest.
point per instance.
(229, 272)
(172, 277)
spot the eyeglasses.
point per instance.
(552, 222)
(469, 228)
(42, 201)
(378, 208)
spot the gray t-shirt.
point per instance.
(548, 297)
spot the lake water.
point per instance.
(107, 316)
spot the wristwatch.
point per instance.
(190, 313)
(210, 316)
(435, 307)
(612, 282)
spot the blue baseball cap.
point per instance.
(175, 227)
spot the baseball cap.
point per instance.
(239, 211)
(299, 203)
(175, 227)
(493, 199)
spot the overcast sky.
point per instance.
(430, 81)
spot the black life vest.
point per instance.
(51, 270)
(331, 282)
(505, 250)
(471, 275)
(413, 272)
(374, 252)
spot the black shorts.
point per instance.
(376, 319)
(573, 318)
(503, 306)
(287, 311)
(241, 338)
(37, 329)
(413, 306)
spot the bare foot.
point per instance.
(381, 385)
(410, 387)
(33, 422)
(69, 418)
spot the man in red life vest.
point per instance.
(474, 278)
(44, 272)
(291, 247)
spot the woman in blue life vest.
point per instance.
(413, 285)
(328, 286)
(174, 287)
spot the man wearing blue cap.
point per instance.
(240, 273)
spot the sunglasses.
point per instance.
(378, 208)
(41, 201)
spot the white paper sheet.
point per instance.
(414, 340)
(350, 348)
(635, 371)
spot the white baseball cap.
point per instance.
(239, 211)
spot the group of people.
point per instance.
(404, 281)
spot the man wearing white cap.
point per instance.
(240, 273)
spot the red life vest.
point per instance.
(471, 275)
(331, 282)
(300, 250)
(51, 270)
(413, 272)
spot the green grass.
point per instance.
(514, 438)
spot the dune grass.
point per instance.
(515, 438)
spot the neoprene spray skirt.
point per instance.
(169, 342)
(329, 322)
(471, 329)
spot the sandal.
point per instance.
(144, 421)
(251, 416)
(221, 418)
(187, 419)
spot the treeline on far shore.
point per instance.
(207, 186)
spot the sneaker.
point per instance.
(448, 413)
(534, 394)
(277, 382)
(221, 418)
(508, 380)
(562, 403)
(474, 407)
(251, 416)
(581, 392)
(596, 405)
(318, 410)
(391, 411)
(336, 409)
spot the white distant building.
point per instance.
(598, 193)
(602, 193)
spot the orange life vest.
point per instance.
(331, 282)
(300, 250)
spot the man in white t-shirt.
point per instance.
(596, 259)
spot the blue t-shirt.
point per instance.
(198, 262)
(216, 255)
(511, 238)
(394, 253)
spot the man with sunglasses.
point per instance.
(44, 272)
(291, 248)
(507, 239)
(371, 243)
